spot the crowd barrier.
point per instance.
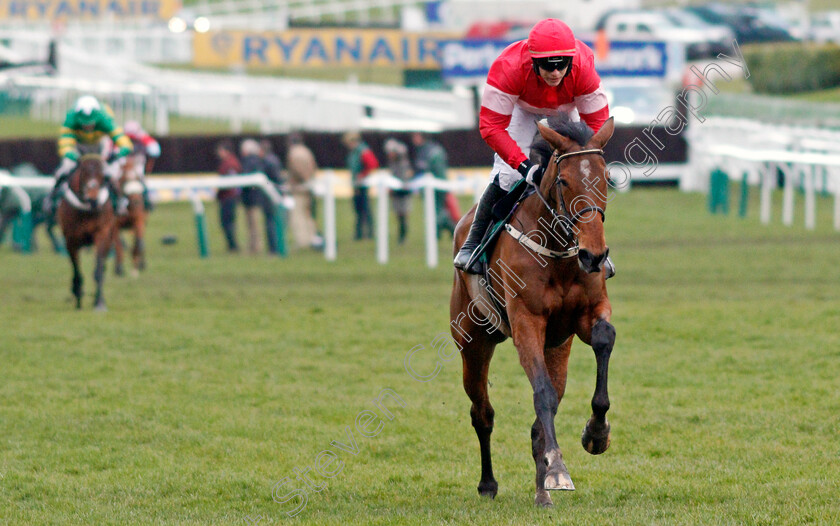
(194, 189)
(755, 153)
(327, 186)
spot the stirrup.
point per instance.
(467, 266)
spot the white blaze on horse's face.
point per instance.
(584, 168)
(92, 189)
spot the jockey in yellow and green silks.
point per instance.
(83, 131)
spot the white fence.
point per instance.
(326, 186)
(806, 156)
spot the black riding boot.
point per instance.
(147, 201)
(481, 220)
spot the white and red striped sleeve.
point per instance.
(151, 146)
(590, 97)
(497, 103)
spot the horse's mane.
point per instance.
(577, 131)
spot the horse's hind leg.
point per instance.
(476, 360)
(557, 361)
(596, 435)
(77, 276)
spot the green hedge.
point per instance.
(793, 68)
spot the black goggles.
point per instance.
(552, 63)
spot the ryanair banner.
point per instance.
(48, 10)
(318, 48)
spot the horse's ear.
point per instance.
(562, 143)
(600, 139)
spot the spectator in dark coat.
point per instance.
(252, 196)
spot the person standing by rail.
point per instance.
(361, 161)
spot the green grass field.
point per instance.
(208, 381)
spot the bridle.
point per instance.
(568, 217)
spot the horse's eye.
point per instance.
(563, 182)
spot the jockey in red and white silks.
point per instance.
(549, 73)
(517, 96)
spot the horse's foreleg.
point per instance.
(545, 404)
(476, 362)
(139, 245)
(77, 276)
(58, 244)
(4, 222)
(557, 361)
(118, 253)
(103, 246)
(596, 434)
(529, 340)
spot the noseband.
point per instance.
(572, 218)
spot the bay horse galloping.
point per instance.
(135, 219)
(544, 284)
(86, 217)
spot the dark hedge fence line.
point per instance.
(465, 148)
(793, 68)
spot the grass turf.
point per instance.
(208, 381)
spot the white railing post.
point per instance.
(431, 221)
(787, 200)
(834, 177)
(810, 199)
(382, 219)
(330, 248)
(768, 177)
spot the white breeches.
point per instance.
(522, 129)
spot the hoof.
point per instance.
(118, 270)
(488, 489)
(543, 500)
(100, 307)
(558, 482)
(596, 437)
(135, 273)
(557, 476)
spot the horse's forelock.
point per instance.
(90, 167)
(541, 151)
(577, 131)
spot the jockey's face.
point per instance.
(553, 78)
(89, 127)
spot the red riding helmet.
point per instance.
(551, 38)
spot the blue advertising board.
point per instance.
(472, 58)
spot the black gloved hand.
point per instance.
(531, 172)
